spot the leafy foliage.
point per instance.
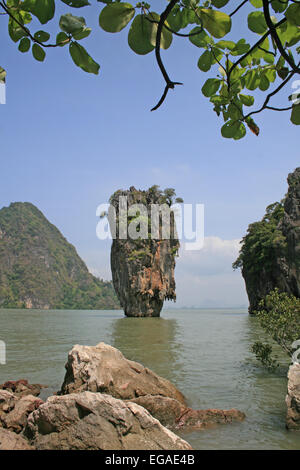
(279, 315)
(263, 243)
(39, 267)
(263, 353)
(237, 66)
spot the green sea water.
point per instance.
(205, 353)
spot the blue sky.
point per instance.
(70, 139)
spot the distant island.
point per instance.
(40, 269)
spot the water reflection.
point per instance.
(151, 341)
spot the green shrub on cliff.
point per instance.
(263, 242)
(279, 315)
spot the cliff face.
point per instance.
(290, 227)
(143, 269)
(40, 269)
(270, 254)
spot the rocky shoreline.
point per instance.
(106, 402)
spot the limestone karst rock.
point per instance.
(94, 421)
(270, 254)
(293, 398)
(143, 268)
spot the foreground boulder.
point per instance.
(95, 421)
(174, 415)
(15, 419)
(11, 441)
(104, 369)
(21, 387)
(17, 400)
(293, 398)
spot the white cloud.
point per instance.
(205, 278)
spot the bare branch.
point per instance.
(237, 9)
(169, 83)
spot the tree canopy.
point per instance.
(237, 68)
(263, 242)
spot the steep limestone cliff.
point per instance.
(143, 268)
(270, 253)
(40, 269)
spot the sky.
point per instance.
(70, 139)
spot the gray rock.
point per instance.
(293, 398)
(104, 369)
(95, 421)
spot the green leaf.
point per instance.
(256, 3)
(264, 82)
(211, 86)
(293, 14)
(2, 75)
(61, 37)
(177, 20)
(257, 23)
(24, 45)
(252, 80)
(247, 100)
(233, 129)
(240, 48)
(219, 3)
(283, 72)
(270, 74)
(279, 6)
(82, 34)
(43, 9)
(226, 44)
(82, 59)
(217, 23)
(289, 34)
(16, 32)
(72, 24)
(205, 61)
(38, 52)
(201, 39)
(76, 3)
(295, 116)
(115, 16)
(166, 35)
(139, 36)
(42, 36)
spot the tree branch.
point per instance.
(169, 83)
(274, 92)
(272, 28)
(261, 40)
(26, 30)
(237, 9)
